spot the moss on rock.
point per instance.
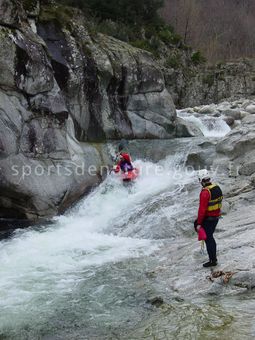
(62, 15)
(30, 5)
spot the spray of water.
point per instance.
(114, 223)
(39, 267)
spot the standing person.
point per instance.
(208, 213)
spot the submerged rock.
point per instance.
(244, 279)
(187, 129)
(250, 108)
(156, 301)
(234, 113)
(229, 120)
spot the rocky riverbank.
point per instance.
(179, 275)
(64, 87)
(201, 85)
(134, 270)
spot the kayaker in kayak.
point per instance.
(124, 164)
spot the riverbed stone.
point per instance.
(229, 120)
(207, 109)
(186, 129)
(250, 108)
(234, 113)
(244, 279)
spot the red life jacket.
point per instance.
(126, 157)
(210, 202)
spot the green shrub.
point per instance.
(173, 61)
(29, 5)
(134, 21)
(197, 58)
(166, 36)
(144, 45)
(208, 79)
(176, 39)
(220, 75)
(128, 11)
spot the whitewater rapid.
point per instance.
(45, 270)
(208, 125)
(40, 266)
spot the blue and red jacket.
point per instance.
(124, 164)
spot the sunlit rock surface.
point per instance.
(61, 86)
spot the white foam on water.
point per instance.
(208, 125)
(40, 266)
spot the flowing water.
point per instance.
(209, 126)
(85, 276)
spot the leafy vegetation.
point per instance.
(29, 5)
(209, 80)
(173, 61)
(128, 11)
(197, 58)
(136, 22)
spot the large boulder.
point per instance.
(113, 89)
(11, 13)
(43, 167)
(33, 68)
(60, 87)
(185, 128)
(238, 142)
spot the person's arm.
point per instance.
(203, 205)
(117, 167)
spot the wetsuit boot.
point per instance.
(210, 263)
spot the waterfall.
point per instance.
(210, 126)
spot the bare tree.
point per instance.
(221, 29)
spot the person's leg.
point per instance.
(209, 226)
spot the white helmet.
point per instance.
(203, 175)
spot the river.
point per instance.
(89, 275)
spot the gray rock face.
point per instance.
(205, 85)
(11, 13)
(238, 142)
(113, 89)
(43, 168)
(33, 69)
(7, 58)
(60, 87)
(248, 168)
